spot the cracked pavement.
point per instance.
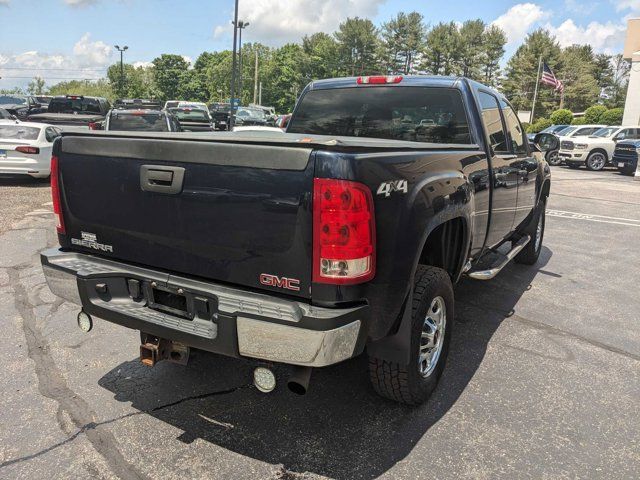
(543, 379)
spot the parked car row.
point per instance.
(593, 146)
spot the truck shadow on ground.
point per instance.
(341, 428)
(24, 181)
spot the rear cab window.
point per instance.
(190, 114)
(138, 122)
(74, 105)
(418, 114)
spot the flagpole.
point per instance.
(535, 94)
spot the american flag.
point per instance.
(548, 78)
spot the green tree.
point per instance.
(218, 75)
(285, 79)
(359, 46)
(403, 38)
(494, 41)
(593, 115)
(561, 117)
(323, 58)
(442, 50)
(90, 88)
(579, 121)
(615, 93)
(36, 86)
(612, 116)
(577, 72)
(521, 73)
(472, 37)
(172, 77)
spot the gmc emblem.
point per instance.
(280, 282)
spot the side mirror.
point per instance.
(546, 142)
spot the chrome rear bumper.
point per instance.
(244, 324)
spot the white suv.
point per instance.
(595, 151)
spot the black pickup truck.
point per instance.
(74, 112)
(306, 248)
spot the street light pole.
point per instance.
(121, 50)
(233, 66)
(241, 26)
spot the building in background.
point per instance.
(632, 53)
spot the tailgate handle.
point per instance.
(161, 179)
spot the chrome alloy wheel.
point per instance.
(597, 161)
(539, 231)
(432, 338)
(554, 158)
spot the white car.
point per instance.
(25, 148)
(595, 151)
(257, 128)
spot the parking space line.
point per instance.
(594, 218)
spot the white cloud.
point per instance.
(519, 20)
(4, 3)
(603, 37)
(278, 21)
(79, 3)
(92, 53)
(626, 5)
(142, 64)
(88, 60)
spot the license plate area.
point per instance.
(170, 301)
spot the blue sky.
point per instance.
(74, 38)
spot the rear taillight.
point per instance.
(379, 79)
(343, 232)
(94, 126)
(27, 149)
(55, 194)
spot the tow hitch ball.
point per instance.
(154, 349)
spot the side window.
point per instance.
(516, 132)
(50, 134)
(624, 134)
(493, 122)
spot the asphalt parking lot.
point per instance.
(543, 380)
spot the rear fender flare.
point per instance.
(396, 346)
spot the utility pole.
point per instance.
(233, 67)
(241, 26)
(535, 93)
(121, 50)
(255, 79)
(260, 99)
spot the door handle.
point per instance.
(161, 179)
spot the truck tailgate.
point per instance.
(241, 213)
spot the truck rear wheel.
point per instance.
(431, 328)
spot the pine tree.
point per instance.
(403, 38)
(522, 69)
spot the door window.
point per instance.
(493, 122)
(516, 132)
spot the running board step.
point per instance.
(490, 265)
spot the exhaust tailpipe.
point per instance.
(299, 380)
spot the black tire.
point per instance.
(529, 254)
(596, 161)
(405, 383)
(553, 158)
